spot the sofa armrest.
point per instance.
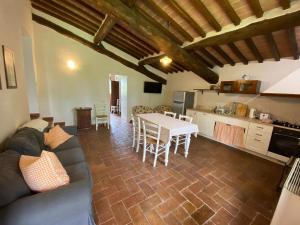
(70, 130)
(66, 205)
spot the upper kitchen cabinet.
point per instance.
(240, 86)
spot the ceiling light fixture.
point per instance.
(71, 64)
(165, 60)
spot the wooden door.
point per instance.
(114, 93)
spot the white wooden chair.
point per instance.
(118, 106)
(137, 132)
(171, 114)
(102, 114)
(182, 139)
(152, 142)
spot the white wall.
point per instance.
(269, 72)
(61, 90)
(15, 23)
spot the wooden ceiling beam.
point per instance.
(123, 35)
(130, 3)
(129, 45)
(132, 17)
(188, 18)
(66, 19)
(256, 8)
(168, 18)
(98, 48)
(251, 30)
(207, 15)
(222, 53)
(285, 4)
(238, 53)
(293, 42)
(273, 46)
(89, 12)
(230, 12)
(211, 57)
(201, 58)
(128, 48)
(105, 27)
(150, 60)
(163, 29)
(251, 45)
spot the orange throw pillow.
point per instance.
(56, 136)
(43, 173)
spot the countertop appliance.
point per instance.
(285, 141)
(252, 113)
(287, 210)
(182, 100)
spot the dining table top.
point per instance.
(173, 125)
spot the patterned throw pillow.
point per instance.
(43, 173)
(38, 124)
(56, 136)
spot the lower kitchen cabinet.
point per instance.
(206, 124)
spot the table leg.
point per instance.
(167, 152)
(187, 144)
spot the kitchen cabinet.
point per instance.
(205, 122)
(258, 138)
(240, 86)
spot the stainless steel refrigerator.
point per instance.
(182, 100)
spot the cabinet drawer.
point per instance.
(260, 128)
(260, 134)
(257, 144)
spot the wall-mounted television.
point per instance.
(152, 87)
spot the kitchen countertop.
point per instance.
(238, 117)
(242, 118)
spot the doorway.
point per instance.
(118, 96)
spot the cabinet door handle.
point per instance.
(259, 127)
(259, 135)
(257, 140)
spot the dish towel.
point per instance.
(229, 134)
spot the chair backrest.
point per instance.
(171, 114)
(151, 131)
(101, 109)
(136, 122)
(186, 118)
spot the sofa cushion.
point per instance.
(43, 173)
(12, 184)
(73, 142)
(37, 124)
(78, 171)
(70, 156)
(27, 141)
(56, 136)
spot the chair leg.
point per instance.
(133, 141)
(144, 153)
(176, 145)
(96, 125)
(138, 144)
(108, 125)
(155, 158)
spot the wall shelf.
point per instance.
(202, 90)
(281, 95)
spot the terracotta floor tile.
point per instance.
(153, 218)
(225, 204)
(120, 212)
(192, 198)
(209, 201)
(150, 203)
(190, 221)
(222, 217)
(189, 207)
(171, 220)
(260, 220)
(137, 216)
(103, 210)
(134, 199)
(203, 214)
(240, 219)
(166, 207)
(146, 189)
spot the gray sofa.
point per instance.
(67, 205)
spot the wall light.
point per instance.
(165, 60)
(71, 64)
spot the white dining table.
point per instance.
(171, 127)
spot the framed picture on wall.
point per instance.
(9, 67)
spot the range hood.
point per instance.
(287, 87)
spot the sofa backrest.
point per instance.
(27, 141)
